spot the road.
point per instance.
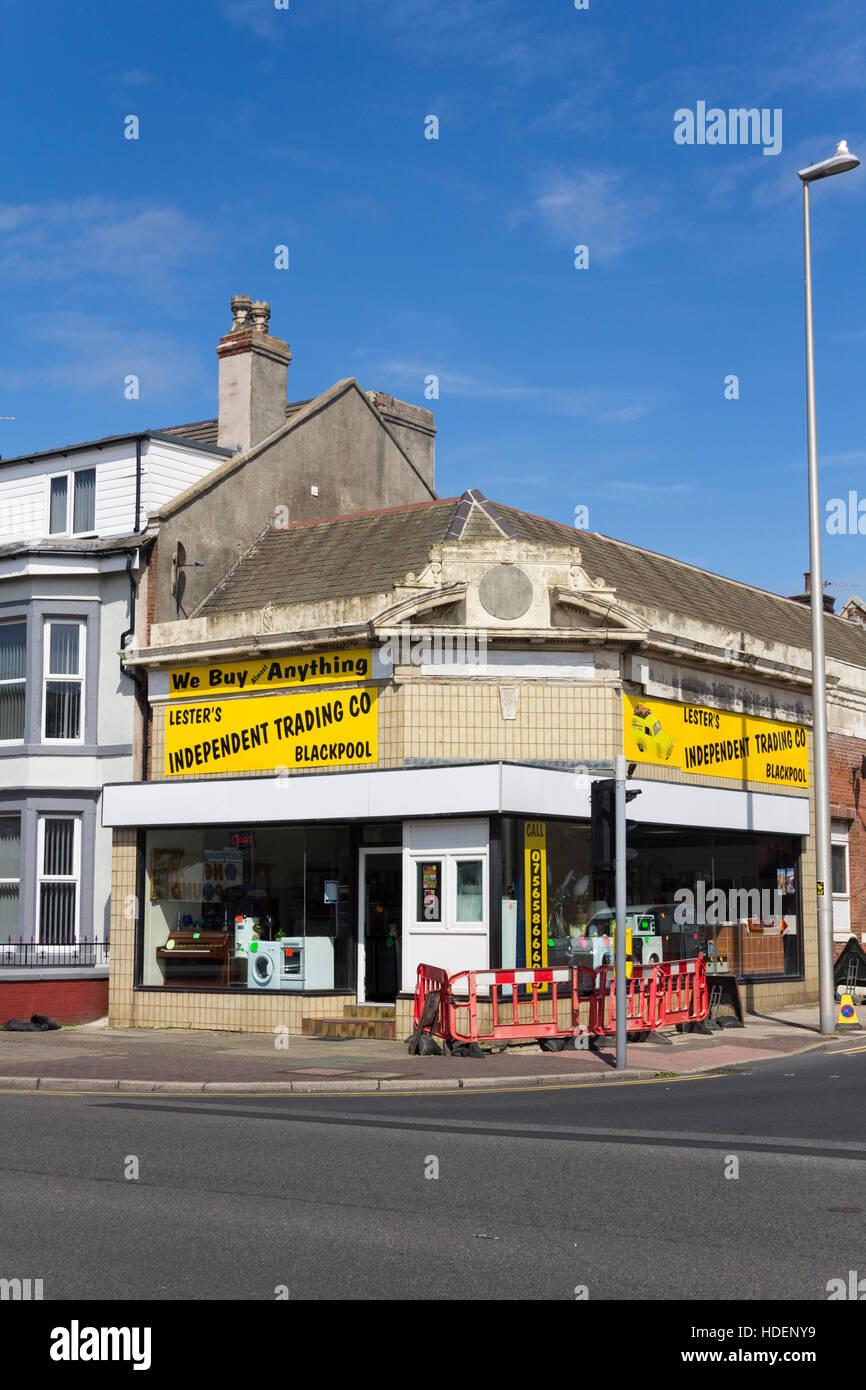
(618, 1189)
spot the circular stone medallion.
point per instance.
(505, 592)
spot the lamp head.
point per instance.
(838, 163)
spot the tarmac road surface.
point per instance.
(620, 1190)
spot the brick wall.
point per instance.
(848, 803)
(67, 1001)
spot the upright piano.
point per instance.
(196, 959)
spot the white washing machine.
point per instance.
(263, 970)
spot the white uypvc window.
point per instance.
(59, 861)
(63, 682)
(13, 682)
(840, 881)
(10, 876)
(72, 502)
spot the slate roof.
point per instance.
(368, 553)
(206, 431)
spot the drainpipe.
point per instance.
(136, 527)
(138, 677)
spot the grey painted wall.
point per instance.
(343, 449)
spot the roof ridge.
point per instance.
(375, 511)
(672, 559)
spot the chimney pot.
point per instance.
(241, 307)
(260, 314)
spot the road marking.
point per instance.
(846, 1051)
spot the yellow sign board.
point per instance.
(310, 668)
(535, 881)
(270, 732)
(714, 743)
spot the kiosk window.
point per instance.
(429, 905)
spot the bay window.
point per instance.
(13, 682)
(63, 682)
(59, 858)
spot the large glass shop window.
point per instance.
(735, 897)
(249, 909)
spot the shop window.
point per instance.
(59, 851)
(10, 876)
(13, 680)
(72, 503)
(251, 909)
(63, 682)
(567, 885)
(732, 896)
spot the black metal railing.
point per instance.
(31, 953)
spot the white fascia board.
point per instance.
(673, 803)
(413, 793)
(405, 792)
(42, 566)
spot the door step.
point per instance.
(353, 1025)
(369, 1011)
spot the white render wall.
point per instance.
(167, 469)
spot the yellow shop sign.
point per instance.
(271, 732)
(714, 743)
(535, 906)
(229, 677)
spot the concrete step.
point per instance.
(350, 1027)
(369, 1011)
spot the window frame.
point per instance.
(70, 475)
(43, 878)
(18, 680)
(80, 678)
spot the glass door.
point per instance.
(380, 933)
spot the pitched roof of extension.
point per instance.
(296, 415)
(369, 552)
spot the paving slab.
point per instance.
(95, 1057)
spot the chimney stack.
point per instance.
(253, 371)
(806, 596)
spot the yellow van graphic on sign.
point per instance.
(648, 734)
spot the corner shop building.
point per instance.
(367, 726)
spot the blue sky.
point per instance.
(559, 387)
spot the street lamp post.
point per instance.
(839, 163)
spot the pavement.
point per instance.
(95, 1057)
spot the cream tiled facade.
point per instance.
(422, 720)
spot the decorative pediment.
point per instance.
(598, 603)
(417, 603)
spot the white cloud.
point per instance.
(596, 209)
(606, 407)
(82, 354)
(130, 241)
